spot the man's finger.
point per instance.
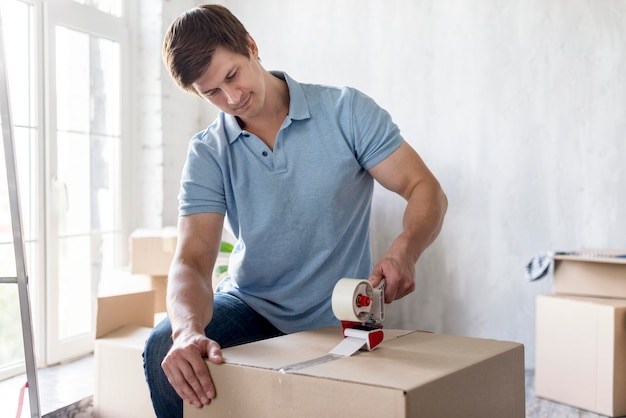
(176, 377)
(205, 390)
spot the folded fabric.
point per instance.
(540, 265)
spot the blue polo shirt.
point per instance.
(300, 212)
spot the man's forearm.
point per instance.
(189, 300)
(423, 217)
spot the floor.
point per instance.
(66, 391)
(541, 408)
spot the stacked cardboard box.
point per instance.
(411, 374)
(151, 253)
(123, 324)
(581, 333)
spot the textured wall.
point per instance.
(517, 106)
(167, 117)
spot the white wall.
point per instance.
(167, 117)
(518, 107)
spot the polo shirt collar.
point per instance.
(298, 107)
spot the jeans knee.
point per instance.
(156, 347)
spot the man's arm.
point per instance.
(404, 173)
(190, 307)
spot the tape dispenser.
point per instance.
(360, 308)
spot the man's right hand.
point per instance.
(185, 368)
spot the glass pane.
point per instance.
(104, 184)
(18, 29)
(72, 194)
(25, 139)
(105, 66)
(75, 295)
(113, 7)
(86, 193)
(72, 80)
(7, 255)
(17, 19)
(12, 346)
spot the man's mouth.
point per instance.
(243, 104)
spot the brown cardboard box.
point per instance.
(152, 250)
(586, 275)
(411, 374)
(581, 352)
(151, 253)
(123, 325)
(159, 285)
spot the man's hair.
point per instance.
(192, 38)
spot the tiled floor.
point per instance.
(64, 391)
(541, 408)
(67, 392)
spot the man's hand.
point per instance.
(399, 275)
(187, 371)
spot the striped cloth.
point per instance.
(540, 265)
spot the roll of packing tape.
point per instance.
(352, 300)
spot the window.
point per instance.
(68, 130)
(17, 22)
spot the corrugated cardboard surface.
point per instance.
(159, 285)
(123, 324)
(116, 311)
(152, 250)
(411, 374)
(590, 276)
(121, 389)
(581, 352)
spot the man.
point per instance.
(290, 167)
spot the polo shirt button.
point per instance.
(264, 153)
(246, 134)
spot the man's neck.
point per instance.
(267, 124)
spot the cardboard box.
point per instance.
(411, 374)
(152, 250)
(123, 325)
(151, 253)
(588, 275)
(159, 285)
(581, 352)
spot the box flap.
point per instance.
(279, 352)
(167, 236)
(421, 352)
(413, 360)
(594, 256)
(116, 311)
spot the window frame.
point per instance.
(43, 285)
(89, 20)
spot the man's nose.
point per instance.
(233, 95)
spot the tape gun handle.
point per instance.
(378, 305)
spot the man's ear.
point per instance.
(254, 50)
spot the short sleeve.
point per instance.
(202, 180)
(375, 134)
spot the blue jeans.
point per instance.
(233, 323)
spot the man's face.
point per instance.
(234, 83)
